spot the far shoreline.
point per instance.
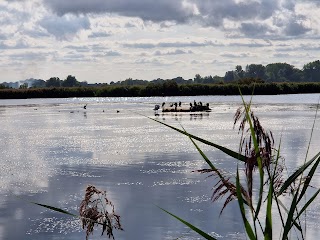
(158, 90)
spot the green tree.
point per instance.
(53, 82)
(179, 80)
(208, 79)
(218, 79)
(255, 71)
(311, 71)
(70, 81)
(282, 72)
(23, 86)
(197, 78)
(170, 88)
(38, 83)
(229, 76)
(127, 82)
(239, 72)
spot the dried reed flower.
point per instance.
(265, 152)
(96, 209)
(224, 186)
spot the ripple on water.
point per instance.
(130, 183)
(188, 164)
(172, 182)
(41, 148)
(54, 224)
(197, 199)
(77, 174)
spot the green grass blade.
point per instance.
(307, 204)
(202, 233)
(290, 216)
(287, 211)
(247, 225)
(256, 148)
(268, 227)
(308, 179)
(200, 151)
(297, 173)
(273, 177)
(210, 163)
(55, 209)
(311, 134)
(229, 152)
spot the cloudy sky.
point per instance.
(111, 40)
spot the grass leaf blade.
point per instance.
(55, 209)
(229, 152)
(308, 179)
(201, 152)
(247, 225)
(296, 174)
(290, 219)
(203, 234)
(257, 151)
(307, 204)
(268, 227)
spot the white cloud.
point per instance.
(65, 27)
(171, 37)
(99, 35)
(81, 48)
(15, 44)
(254, 17)
(29, 56)
(112, 53)
(155, 61)
(146, 9)
(171, 43)
(174, 52)
(236, 55)
(295, 28)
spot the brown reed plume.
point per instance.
(265, 151)
(96, 209)
(226, 186)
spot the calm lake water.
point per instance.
(51, 149)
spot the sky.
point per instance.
(100, 41)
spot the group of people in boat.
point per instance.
(177, 107)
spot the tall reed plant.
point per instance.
(262, 160)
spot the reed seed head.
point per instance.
(96, 209)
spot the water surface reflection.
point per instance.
(52, 151)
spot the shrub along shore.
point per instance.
(162, 90)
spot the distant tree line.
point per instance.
(276, 72)
(70, 81)
(167, 88)
(258, 73)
